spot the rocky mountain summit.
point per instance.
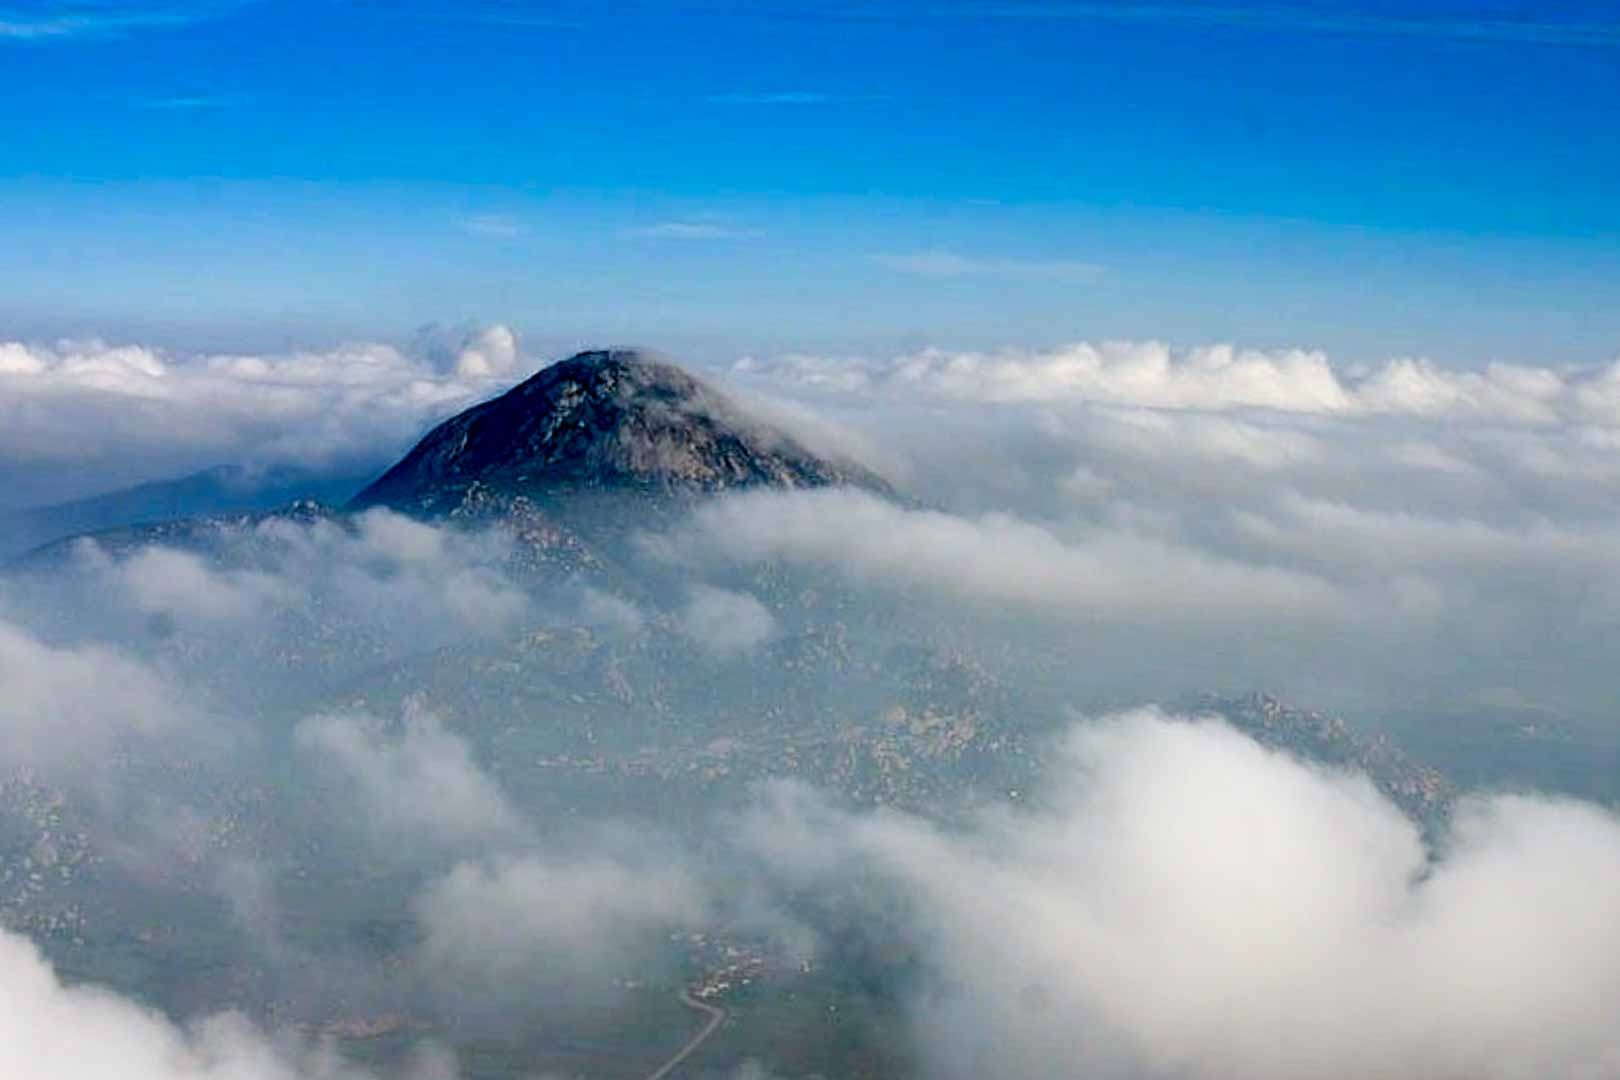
(568, 462)
(605, 420)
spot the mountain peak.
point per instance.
(603, 419)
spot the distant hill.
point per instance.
(224, 489)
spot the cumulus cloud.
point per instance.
(491, 352)
(726, 622)
(418, 781)
(83, 410)
(996, 559)
(1173, 901)
(52, 1031)
(182, 585)
(615, 614)
(522, 919)
(1152, 374)
(1460, 522)
(1180, 902)
(65, 708)
(1146, 373)
(402, 579)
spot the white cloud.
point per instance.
(52, 1031)
(696, 230)
(72, 20)
(391, 563)
(495, 226)
(400, 578)
(726, 622)
(1180, 902)
(609, 612)
(67, 708)
(522, 919)
(399, 539)
(1438, 528)
(949, 264)
(1145, 374)
(1500, 392)
(188, 103)
(422, 781)
(492, 351)
(999, 559)
(181, 584)
(87, 409)
(1152, 374)
(774, 97)
(1505, 24)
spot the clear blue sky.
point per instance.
(728, 175)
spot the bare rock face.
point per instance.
(603, 420)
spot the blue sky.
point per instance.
(723, 176)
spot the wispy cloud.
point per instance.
(695, 230)
(187, 104)
(47, 22)
(949, 264)
(494, 226)
(1526, 27)
(775, 97)
(506, 16)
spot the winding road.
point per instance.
(717, 1016)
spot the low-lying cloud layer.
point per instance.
(527, 921)
(1172, 900)
(403, 582)
(726, 622)
(68, 708)
(81, 416)
(1180, 902)
(51, 1031)
(421, 785)
(997, 559)
(1437, 532)
(1217, 377)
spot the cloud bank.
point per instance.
(1172, 901)
(996, 559)
(67, 708)
(1179, 902)
(51, 1031)
(545, 920)
(1368, 535)
(75, 414)
(379, 572)
(421, 784)
(1216, 377)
